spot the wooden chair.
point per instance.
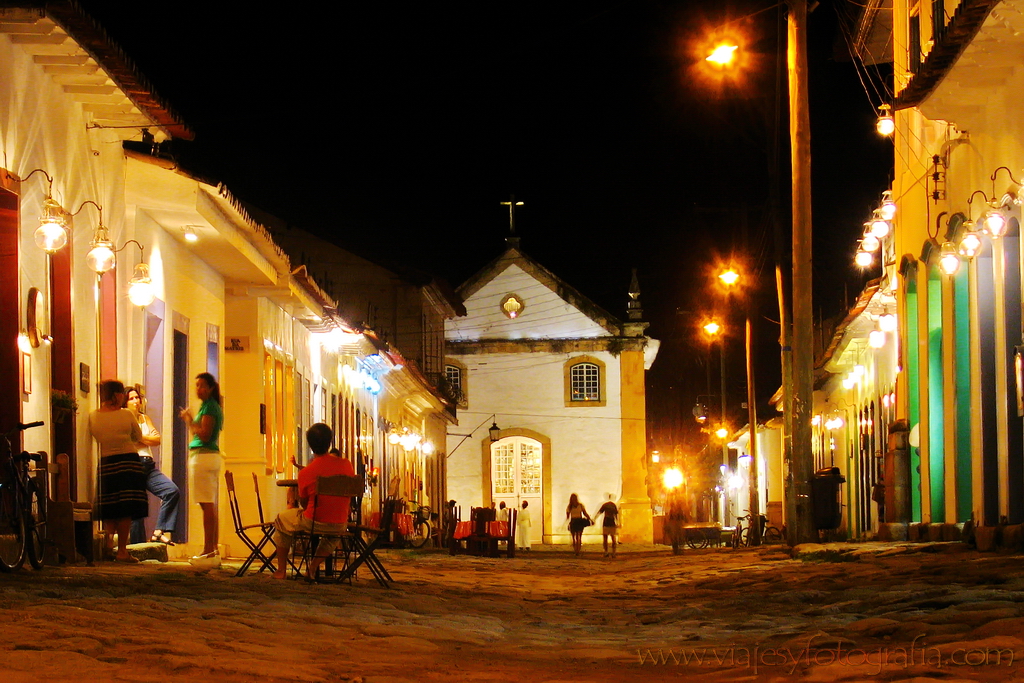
(366, 551)
(261, 534)
(336, 486)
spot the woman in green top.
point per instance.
(205, 462)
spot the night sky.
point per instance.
(398, 128)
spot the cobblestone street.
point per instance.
(850, 612)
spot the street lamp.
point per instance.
(731, 278)
(722, 55)
(797, 331)
(714, 331)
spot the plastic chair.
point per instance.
(261, 533)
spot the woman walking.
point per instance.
(122, 483)
(205, 462)
(157, 482)
(578, 521)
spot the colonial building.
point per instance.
(855, 405)
(958, 159)
(551, 396)
(117, 263)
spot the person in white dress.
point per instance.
(523, 528)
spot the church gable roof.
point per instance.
(552, 309)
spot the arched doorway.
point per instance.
(516, 475)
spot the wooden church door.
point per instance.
(516, 465)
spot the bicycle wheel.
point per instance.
(772, 535)
(420, 534)
(12, 530)
(35, 527)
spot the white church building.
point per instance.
(552, 400)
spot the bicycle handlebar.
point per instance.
(22, 427)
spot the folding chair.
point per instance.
(366, 552)
(261, 533)
(337, 486)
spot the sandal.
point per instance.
(162, 537)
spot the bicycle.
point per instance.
(741, 534)
(420, 527)
(22, 506)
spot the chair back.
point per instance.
(236, 515)
(259, 500)
(337, 485)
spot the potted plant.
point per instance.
(63, 404)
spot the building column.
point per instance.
(635, 504)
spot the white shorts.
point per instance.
(204, 474)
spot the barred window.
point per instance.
(585, 382)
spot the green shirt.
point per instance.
(212, 408)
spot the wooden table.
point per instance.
(293, 491)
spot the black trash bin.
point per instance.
(826, 496)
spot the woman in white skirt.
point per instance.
(205, 462)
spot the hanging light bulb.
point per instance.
(970, 242)
(876, 339)
(140, 287)
(949, 259)
(101, 257)
(52, 234)
(878, 225)
(888, 208)
(870, 243)
(995, 221)
(189, 233)
(887, 322)
(864, 259)
(885, 125)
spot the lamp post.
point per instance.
(713, 329)
(797, 346)
(731, 278)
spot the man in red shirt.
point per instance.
(332, 512)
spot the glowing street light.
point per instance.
(723, 54)
(729, 277)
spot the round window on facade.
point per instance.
(512, 306)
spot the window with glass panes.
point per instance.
(454, 376)
(504, 473)
(585, 382)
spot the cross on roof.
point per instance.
(512, 204)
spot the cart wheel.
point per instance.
(696, 539)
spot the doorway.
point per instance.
(180, 439)
(516, 475)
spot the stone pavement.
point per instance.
(843, 612)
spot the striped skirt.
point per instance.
(122, 487)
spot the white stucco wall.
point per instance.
(545, 316)
(41, 127)
(527, 391)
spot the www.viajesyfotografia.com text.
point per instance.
(876, 659)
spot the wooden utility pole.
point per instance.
(802, 389)
(754, 500)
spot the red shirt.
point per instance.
(333, 510)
